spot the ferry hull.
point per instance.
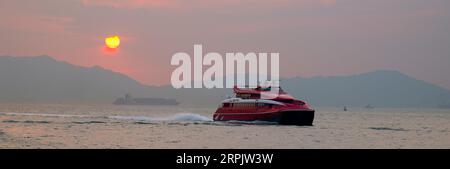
(297, 117)
(284, 117)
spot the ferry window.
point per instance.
(226, 105)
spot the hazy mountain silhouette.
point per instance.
(43, 79)
(383, 88)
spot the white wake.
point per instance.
(179, 117)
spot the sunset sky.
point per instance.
(313, 37)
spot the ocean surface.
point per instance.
(110, 126)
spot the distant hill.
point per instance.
(383, 88)
(44, 79)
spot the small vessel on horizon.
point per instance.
(248, 105)
(369, 106)
(128, 100)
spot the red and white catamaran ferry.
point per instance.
(249, 105)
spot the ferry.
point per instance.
(280, 107)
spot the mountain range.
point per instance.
(43, 79)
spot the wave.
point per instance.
(179, 117)
(251, 122)
(50, 115)
(176, 118)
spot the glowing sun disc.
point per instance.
(112, 42)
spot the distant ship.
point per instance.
(128, 100)
(369, 106)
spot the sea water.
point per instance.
(110, 126)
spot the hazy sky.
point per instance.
(314, 37)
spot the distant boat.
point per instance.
(369, 106)
(128, 100)
(444, 106)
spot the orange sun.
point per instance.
(112, 42)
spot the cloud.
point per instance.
(328, 2)
(130, 3)
(195, 4)
(36, 23)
